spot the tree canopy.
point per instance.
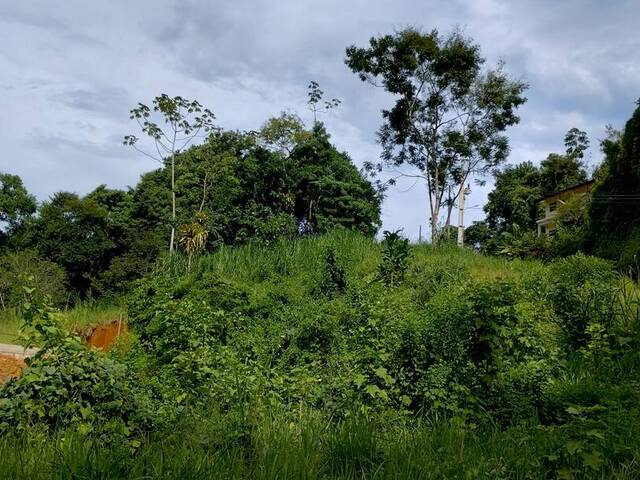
(16, 205)
(615, 206)
(249, 191)
(515, 200)
(449, 114)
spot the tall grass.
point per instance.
(310, 448)
(291, 442)
(255, 262)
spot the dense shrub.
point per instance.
(582, 293)
(466, 345)
(47, 277)
(66, 385)
(395, 258)
(477, 347)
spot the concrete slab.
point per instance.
(17, 351)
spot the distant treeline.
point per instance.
(282, 181)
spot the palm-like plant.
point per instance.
(193, 236)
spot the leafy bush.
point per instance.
(477, 348)
(66, 385)
(47, 277)
(582, 293)
(184, 325)
(523, 244)
(395, 258)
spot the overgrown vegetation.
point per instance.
(250, 366)
(285, 181)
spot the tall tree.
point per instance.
(515, 198)
(449, 116)
(563, 171)
(74, 233)
(184, 120)
(329, 190)
(576, 142)
(615, 206)
(16, 204)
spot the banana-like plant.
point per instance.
(193, 236)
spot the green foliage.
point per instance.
(47, 278)
(332, 193)
(65, 385)
(283, 133)
(183, 121)
(430, 76)
(395, 258)
(582, 292)
(558, 172)
(281, 183)
(464, 365)
(515, 198)
(522, 244)
(614, 211)
(514, 205)
(74, 233)
(16, 206)
(334, 278)
(478, 347)
(251, 192)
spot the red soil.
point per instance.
(103, 336)
(100, 336)
(10, 367)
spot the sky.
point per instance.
(71, 70)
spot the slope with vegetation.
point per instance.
(338, 357)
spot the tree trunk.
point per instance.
(447, 224)
(436, 203)
(173, 204)
(461, 219)
(434, 229)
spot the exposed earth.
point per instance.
(10, 366)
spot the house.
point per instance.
(547, 224)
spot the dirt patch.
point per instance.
(10, 366)
(104, 336)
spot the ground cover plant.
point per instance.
(303, 360)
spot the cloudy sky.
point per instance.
(71, 70)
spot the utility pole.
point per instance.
(420, 235)
(463, 194)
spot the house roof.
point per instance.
(573, 187)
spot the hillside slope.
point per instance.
(324, 358)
